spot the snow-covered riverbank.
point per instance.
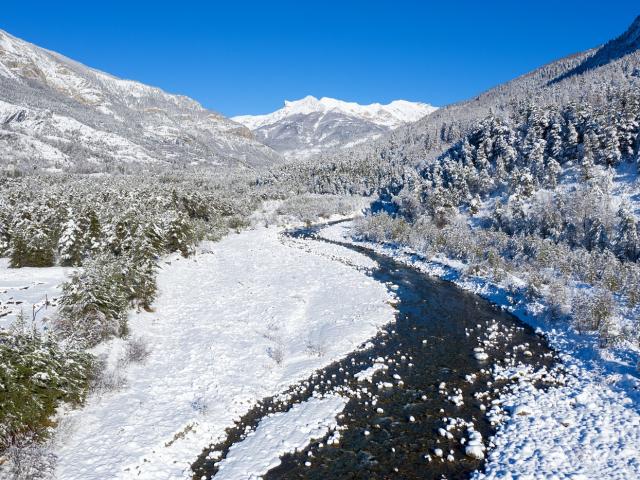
(241, 320)
(587, 427)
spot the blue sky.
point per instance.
(247, 57)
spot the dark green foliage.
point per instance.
(179, 235)
(117, 229)
(95, 301)
(36, 375)
(31, 245)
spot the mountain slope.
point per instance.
(309, 126)
(57, 113)
(617, 48)
(613, 66)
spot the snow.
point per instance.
(240, 321)
(474, 447)
(368, 374)
(278, 434)
(24, 288)
(587, 425)
(391, 115)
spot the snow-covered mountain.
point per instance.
(56, 113)
(308, 126)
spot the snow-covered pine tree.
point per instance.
(94, 239)
(627, 242)
(94, 301)
(179, 235)
(71, 245)
(31, 244)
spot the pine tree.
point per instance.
(570, 150)
(628, 240)
(552, 173)
(179, 236)
(94, 235)
(555, 143)
(587, 163)
(94, 301)
(5, 238)
(596, 236)
(611, 146)
(71, 243)
(536, 160)
(31, 245)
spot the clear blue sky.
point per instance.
(247, 57)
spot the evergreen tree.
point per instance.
(628, 240)
(179, 235)
(71, 245)
(31, 245)
(611, 146)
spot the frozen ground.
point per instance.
(586, 427)
(24, 288)
(240, 321)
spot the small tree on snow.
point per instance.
(94, 302)
(179, 236)
(71, 243)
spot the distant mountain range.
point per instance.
(309, 126)
(58, 114)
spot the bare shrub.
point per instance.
(593, 312)
(276, 354)
(108, 379)
(27, 459)
(316, 348)
(136, 350)
(199, 404)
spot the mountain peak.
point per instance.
(391, 115)
(308, 100)
(310, 125)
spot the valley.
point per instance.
(331, 290)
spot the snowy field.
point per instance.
(241, 320)
(588, 427)
(23, 288)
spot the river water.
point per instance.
(433, 380)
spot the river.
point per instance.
(436, 383)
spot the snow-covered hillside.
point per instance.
(308, 126)
(56, 113)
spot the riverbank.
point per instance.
(588, 427)
(241, 320)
